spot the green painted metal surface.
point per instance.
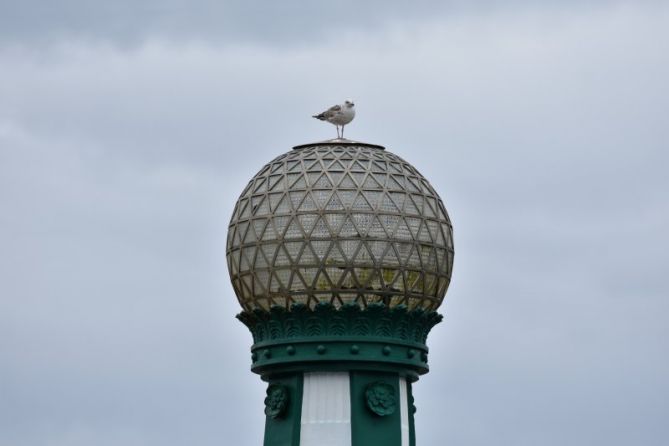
(368, 428)
(284, 429)
(412, 411)
(346, 338)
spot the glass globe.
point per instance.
(339, 222)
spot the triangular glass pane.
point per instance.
(321, 197)
(395, 167)
(364, 255)
(347, 183)
(320, 248)
(280, 224)
(392, 278)
(247, 260)
(374, 281)
(424, 234)
(347, 197)
(276, 167)
(334, 204)
(398, 198)
(397, 182)
(433, 228)
(239, 210)
(247, 282)
(291, 178)
(293, 250)
(379, 166)
(250, 235)
(373, 198)
(348, 229)
(308, 204)
(322, 282)
(442, 261)
(261, 261)
(389, 223)
(274, 199)
(293, 231)
(362, 222)
(378, 248)
(281, 258)
(335, 221)
(323, 182)
(275, 180)
(231, 235)
(371, 183)
(307, 221)
(336, 166)
(268, 250)
(336, 177)
(361, 204)
(283, 207)
(282, 277)
(358, 166)
(336, 256)
(308, 257)
(414, 225)
(390, 257)
(440, 237)
(260, 186)
(358, 177)
(412, 185)
(431, 284)
(403, 232)
(388, 205)
(410, 207)
(312, 178)
(417, 281)
(349, 248)
(321, 229)
(430, 261)
(430, 207)
(347, 281)
(376, 229)
(412, 260)
(293, 166)
(262, 208)
(259, 227)
(425, 187)
(261, 284)
(296, 198)
(313, 166)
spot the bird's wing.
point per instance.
(332, 111)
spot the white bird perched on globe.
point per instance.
(339, 115)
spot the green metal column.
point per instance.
(375, 411)
(283, 410)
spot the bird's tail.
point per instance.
(320, 116)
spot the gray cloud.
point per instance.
(129, 23)
(544, 132)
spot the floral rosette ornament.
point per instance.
(381, 398)
(276, 401)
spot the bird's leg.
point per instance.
(337, 131)
(342, 131)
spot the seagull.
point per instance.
(339, 115)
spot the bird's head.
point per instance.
(349, 103)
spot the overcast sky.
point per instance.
(129, 128)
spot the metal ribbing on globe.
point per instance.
(338, 223)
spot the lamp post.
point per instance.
(339, 253)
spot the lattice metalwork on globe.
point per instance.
(339, 223)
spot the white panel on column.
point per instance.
(326, 409)
(404, 411)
